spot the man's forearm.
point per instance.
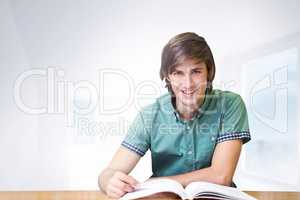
(206, 174)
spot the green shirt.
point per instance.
(179, 146)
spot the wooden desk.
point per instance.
(94, 195)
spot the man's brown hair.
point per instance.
(186, 46)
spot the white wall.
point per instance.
(48, 151)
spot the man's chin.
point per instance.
(191, 103)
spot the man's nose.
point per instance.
(188, 82)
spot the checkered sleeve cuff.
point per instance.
(133, 148)
(241, 135)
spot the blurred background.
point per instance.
(75, 73)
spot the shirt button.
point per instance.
(188, 128)
(190, 152)
(212, 138)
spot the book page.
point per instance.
(196, 189)
(155, 186)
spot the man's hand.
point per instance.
(119, 184)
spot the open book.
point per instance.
(192, 191)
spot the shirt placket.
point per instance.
(191, 143)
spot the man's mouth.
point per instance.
(188, 92)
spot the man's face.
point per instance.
(188, 82)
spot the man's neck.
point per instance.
(188, 112)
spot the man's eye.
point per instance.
(177, 73)
(197, 72)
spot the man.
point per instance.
(195, 133)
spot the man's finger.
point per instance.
(128, 179)
(116, 192)
(123, 186)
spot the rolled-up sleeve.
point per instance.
(137, 138)
(234, 120)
